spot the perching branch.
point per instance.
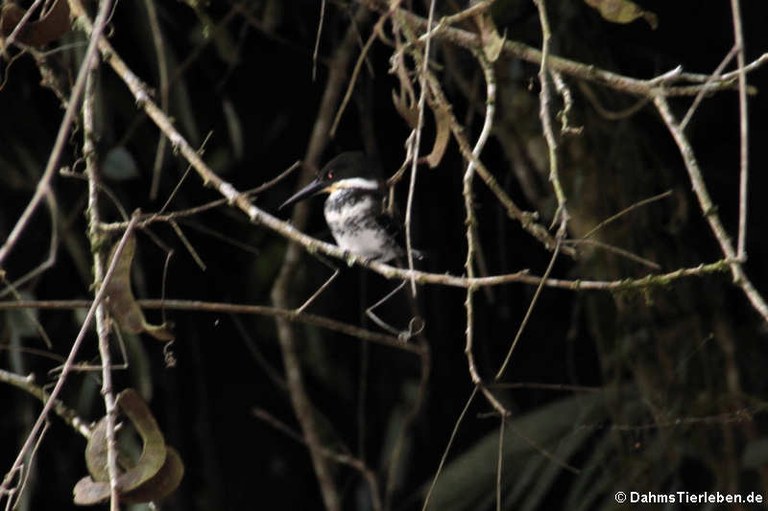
(261, 217)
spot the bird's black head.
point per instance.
(350, 169)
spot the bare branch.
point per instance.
(738, 35)
(545, 99)
(28, 385)
(95, 38)
(68, 364)
(232, 308)
(102, 328)
(575, 69)
(708, 208)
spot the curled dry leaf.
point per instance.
(442, 135)
(406, 105)
(405, 98)
(121, 302)
(406, 109)
(623, 11)
(154, 476)
(53, 23)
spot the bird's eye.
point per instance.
(329, 174)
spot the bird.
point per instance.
(354, 209)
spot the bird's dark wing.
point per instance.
(392, 222)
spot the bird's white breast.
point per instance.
(352, 219)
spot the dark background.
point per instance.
(663, 411)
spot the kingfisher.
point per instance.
(354, 209)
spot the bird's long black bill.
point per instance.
(312, 188)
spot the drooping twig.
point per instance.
(416, 143)
(561, 216)
(527, 317)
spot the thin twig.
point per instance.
(416, 143)
(564, 115)
(289, 231)
(605, 113)
(21, 24)
(316, 51)
(232, 308)
(738, 35)
(527, 220)
(473, 10)
(717, 73)
(545, 100)
(30, 317)
(471, 225)
(353, 78)
(94, 236)
(69, 363)
(527, 317)
(28, 385)
(49, 262)
(626, 210)
(150, 218)
(447, 449)
(162, 73)
(634, 86)
(708, 208)
(616, 250)
(43, 185)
